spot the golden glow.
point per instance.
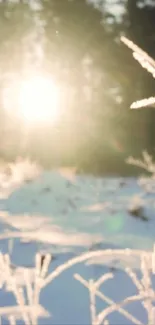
(39, 100)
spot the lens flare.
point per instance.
(39, 100)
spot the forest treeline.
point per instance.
(98, 77)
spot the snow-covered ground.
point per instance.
(65, 215)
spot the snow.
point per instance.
(66, 214)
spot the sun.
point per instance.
(38, 100)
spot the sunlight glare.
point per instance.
(39, 100)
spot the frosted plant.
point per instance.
(146, 163)
(145, 293)
(136, 206)
(25, 288)
(24, 170)
(93, 287)
(147, 63)
(13, 175)
(27, 284)
(147, 183)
